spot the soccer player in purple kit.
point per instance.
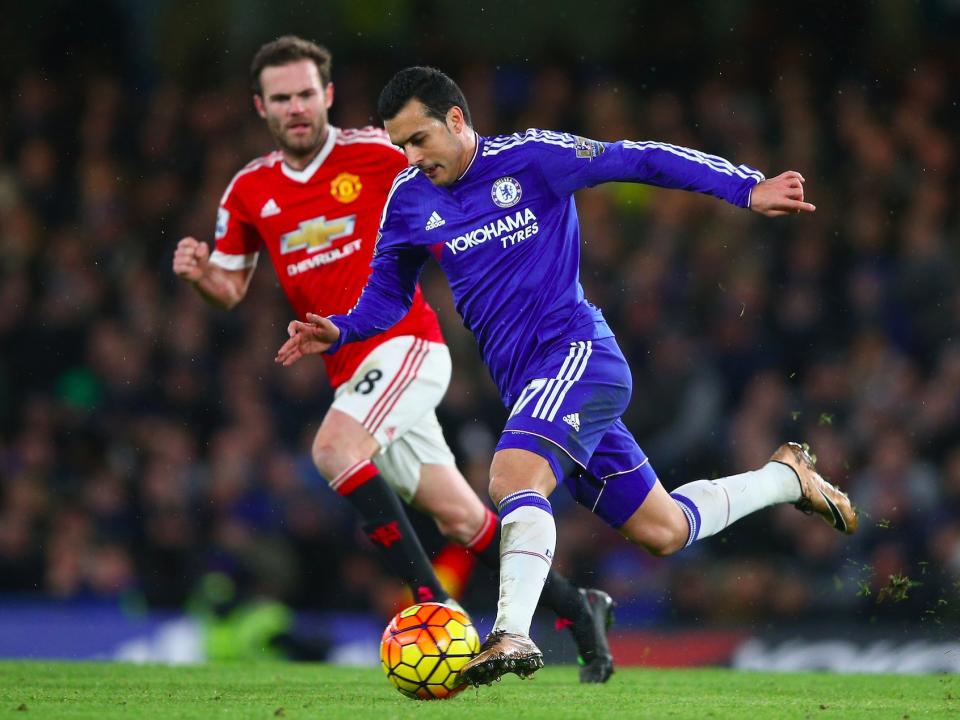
(498, 214)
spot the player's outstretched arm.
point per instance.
(218, 286)
(312, 337)
(782, 195)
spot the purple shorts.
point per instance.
(569, 414)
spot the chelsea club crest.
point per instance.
(506, 192)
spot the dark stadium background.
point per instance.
(147, 441)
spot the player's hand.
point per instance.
(307, 338)
(782, 195)
(190, 259)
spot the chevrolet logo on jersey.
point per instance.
(316, 234)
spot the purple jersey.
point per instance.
(506, 234)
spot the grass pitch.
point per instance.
(105, 691)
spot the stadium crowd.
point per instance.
(146, 439)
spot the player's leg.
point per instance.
(418, 463)
(588, 610)
(553, 428)
(443, 493)
(520, 482)
(616, 481)
(342, 451)
(420, 467)
(668, 522)
(352, 433)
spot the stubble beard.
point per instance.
(303, 147)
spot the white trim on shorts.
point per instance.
(549, 440)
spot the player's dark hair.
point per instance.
(435, 90)
(285, 50)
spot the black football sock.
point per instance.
(389, 528)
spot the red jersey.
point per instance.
(320, 226)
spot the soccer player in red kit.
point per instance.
(315, 206)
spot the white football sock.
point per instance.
(721, 502)
(528, 537)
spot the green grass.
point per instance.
(91, 690)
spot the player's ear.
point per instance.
(258, 104)
(455, 119)
(328, 95)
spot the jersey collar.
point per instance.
(304, 175)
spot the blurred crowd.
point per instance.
(147, 439)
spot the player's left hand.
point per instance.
(312, 337)
(782, 195)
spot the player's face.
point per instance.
(441, 149)
(294, 104)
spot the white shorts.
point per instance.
(394, 394)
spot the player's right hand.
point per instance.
(190, 259)
(782, 195)
(312, 337)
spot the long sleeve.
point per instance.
(390, 289)
(569, 163)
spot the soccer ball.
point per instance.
(424, 647)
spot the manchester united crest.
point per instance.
(346, 187)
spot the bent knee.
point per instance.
(667, 545)
(663, 539)
(499, 487)
(514, 470)
(326, 461)
(332, 458)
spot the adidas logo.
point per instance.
(269, 208)
(573, 420)
(435, 221)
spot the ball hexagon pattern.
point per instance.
(424, 647)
